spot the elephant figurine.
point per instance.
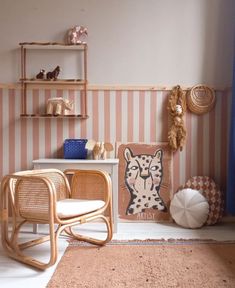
(99, 149)
(59, 106)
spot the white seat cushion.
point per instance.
(75, 207)
(189, 208)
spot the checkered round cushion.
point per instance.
(210, 190)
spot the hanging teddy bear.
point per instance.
(177, 108)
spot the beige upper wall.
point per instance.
(131, 42)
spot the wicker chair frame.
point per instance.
(31, 196)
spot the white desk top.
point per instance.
(80, 161)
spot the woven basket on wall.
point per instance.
(200, 99)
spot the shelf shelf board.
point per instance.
(53, 82)
(46, 116)
(52, 45)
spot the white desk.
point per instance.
(108, 165)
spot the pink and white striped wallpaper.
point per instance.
(122, 116)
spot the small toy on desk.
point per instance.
(53, 75)
(77, 35)
(41, 74)
(58, 106)
(99, 149)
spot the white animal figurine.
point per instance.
(99, 149)
(59, 106)
(77, 35)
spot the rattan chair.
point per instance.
(46, 197)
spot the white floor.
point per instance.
(17, 275)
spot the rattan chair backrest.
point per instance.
(30, 193)
(32, 198)
(87, 186)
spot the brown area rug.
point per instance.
(188, 264)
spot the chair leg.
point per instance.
(110, 215)
(14, 249)
(92, 240)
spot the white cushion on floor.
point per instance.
(189, 208)
(74, 207)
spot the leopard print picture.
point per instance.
(143, 177)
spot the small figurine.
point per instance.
(41, 74)
(58, 105)
(77, 34)
(99, 149)
(53, 75)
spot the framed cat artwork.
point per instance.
(145, 181)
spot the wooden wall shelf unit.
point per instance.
(81, 84)
(80, 116)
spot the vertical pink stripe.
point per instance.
(83, 122)
(224, 137)
(95, 115)
(35, 125)
(59, 126)
(1, 136)
(59, 140)
(118, 116)
(11, 130)
(141, 116)
(107, 116)
(47, 129)
(71, 122)
(188, 146)
(165, 116)
(130, 116)
(176, 171)
(153, 116)
(212, 143)
(200, 146)
(83, 128)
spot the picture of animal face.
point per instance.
(143, 177)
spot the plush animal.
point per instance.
(177, 108)
(59, 106)
(99, 149)
(53, 75)
(77, 35)
(177, 134)
(41, 74)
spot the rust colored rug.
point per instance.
(135, 264)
